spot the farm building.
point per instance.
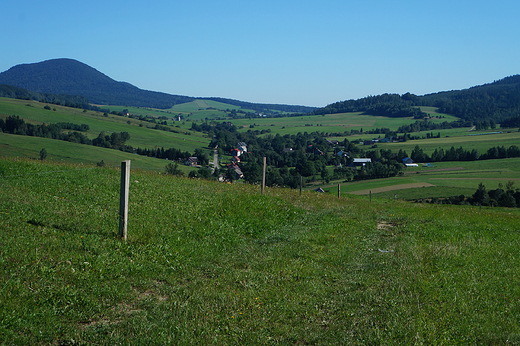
(191, 161)
(407, 160)
(361, 161)
(242, 146)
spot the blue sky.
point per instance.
(292, 52)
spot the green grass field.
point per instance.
(457, 139)
(445, 179)
(218, 264)
(143, 136)
(140, 134)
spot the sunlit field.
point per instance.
(212, 263)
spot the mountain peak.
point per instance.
(72, 77)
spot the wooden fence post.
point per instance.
(123, 199)
(339, 190)
(263, 176)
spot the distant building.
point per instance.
(242, 146)
(236, 152)
(191, 161)
(238, 171)
(361, 161)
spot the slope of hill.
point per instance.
(13, 92)
(71, 77)
(495, 101)
(283, 268)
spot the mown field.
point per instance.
(458, 138)
(218, 264)
(444, 179)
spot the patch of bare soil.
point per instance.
(384, 225)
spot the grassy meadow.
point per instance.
(222, 264)
(180, 136)
(444, 179)
(458, 138)
(141, 133)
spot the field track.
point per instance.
(391, 188)
(438, 170)
(513, 179)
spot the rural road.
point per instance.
(215, 160)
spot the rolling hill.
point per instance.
(71, 77)
(497, 101)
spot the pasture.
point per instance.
(141, 133)
(180, 136)
(280, 269)
(444, 179)
(457, 138)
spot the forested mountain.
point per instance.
(51, 80)
(13, 92)
(71, 77)
(498, 101)
(390, 105)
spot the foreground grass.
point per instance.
(210, 263)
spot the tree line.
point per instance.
(460, 154)
(389, 105)
(16, 125)
(508, 197)
(498, 101)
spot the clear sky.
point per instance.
(293, 52)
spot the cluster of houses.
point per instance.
(191, 161)
(235, 159)
(242, 148)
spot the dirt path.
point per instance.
(391, 188)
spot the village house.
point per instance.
(361, 161)
(242, 146)
(191, 161)
(236, 152)
(238, 171)
(235, 159)
(408, 162)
